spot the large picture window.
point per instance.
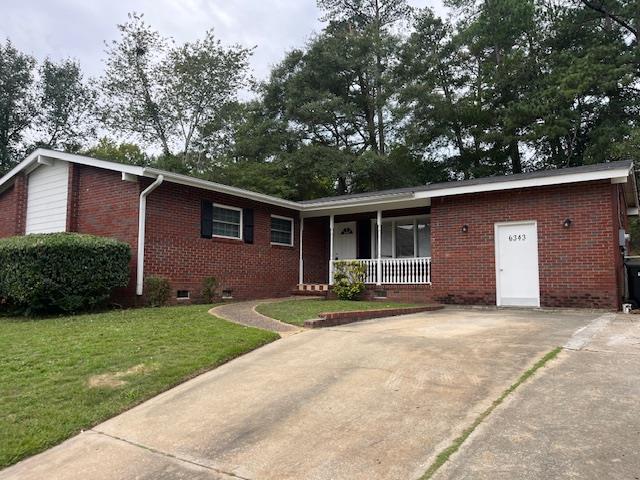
(281, 230)
(404, 237)
(227, 221)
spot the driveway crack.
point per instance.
(170, 455)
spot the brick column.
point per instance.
(21, 204)
(72, 198)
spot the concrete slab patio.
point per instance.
(376, 399)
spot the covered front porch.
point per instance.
(393, 244)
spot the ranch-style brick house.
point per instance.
(551, 238)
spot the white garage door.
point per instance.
(517, 281)
(47, 198)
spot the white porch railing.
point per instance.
(409, 271)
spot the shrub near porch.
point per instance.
(297, 311)
(64, 374)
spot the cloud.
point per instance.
(79, 28)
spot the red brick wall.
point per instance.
(13, 208)
(315, 247)
(577, 265)
(174, 248)
(8, 212)
(103, 204)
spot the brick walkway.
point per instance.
(244, 313)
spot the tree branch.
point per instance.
(599, 7)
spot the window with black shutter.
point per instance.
(206, 219)
(247, 233)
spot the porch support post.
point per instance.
(331, 225)
(379, 252)
(301, 272)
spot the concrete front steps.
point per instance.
(312, 289)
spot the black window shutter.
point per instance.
(206, 219)
(247, 225)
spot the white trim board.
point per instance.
(241, 224)
(373, 201)
(293, 231)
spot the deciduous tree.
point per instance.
(17, 102)
(66, 114)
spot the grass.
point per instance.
(61, 375)
(297, 311)
(444, 456)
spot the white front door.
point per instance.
(344, 241)
(517, 281)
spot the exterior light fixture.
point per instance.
(465, 228)
(567, 223)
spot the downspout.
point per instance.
(142, 221)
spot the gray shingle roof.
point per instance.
(598, 167)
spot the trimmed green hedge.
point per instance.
(65, 272)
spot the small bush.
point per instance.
(209, 289)
(348, 279)
(157, 291)
(65, 272)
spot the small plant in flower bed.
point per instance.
(348, 279)
(60, 272)
(209, 289)
(157, 291)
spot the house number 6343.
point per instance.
(521, 237)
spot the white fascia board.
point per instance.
(93, 162)
(5, 180)
(218, 187)
(44, 157)
(397, 204)
(369, 200)
(616, 176)
(45, 161)
(526, 183)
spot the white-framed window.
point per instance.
(227, 221)
(402, 237)
(281, 231)
(183, 295)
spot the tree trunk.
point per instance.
(514, 153)
(369, 114)
(381, 139)
(378, 79)
(152, 110)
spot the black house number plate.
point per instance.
(521, 237)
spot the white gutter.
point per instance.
(142, 222)
(354, 202)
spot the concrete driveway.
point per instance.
(377, 399)
(578, 418)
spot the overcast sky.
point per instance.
(79, 28)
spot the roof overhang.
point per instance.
(407, 200)
(622, 174)
(47, 157)
(220, 188)
(131, 173)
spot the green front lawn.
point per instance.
(297, 311)
(61, 375)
